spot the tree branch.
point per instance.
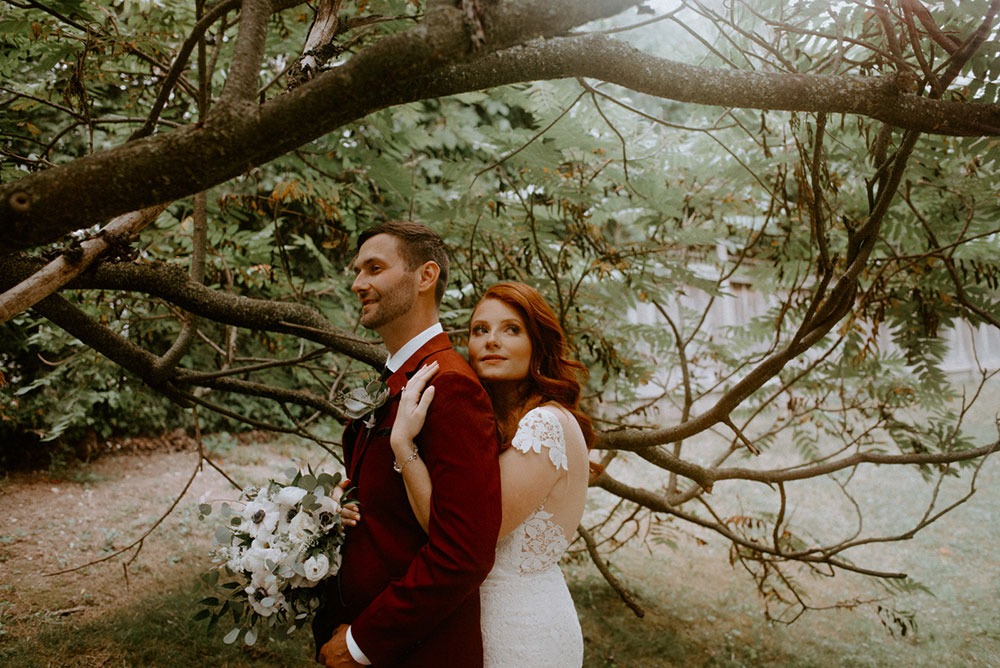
(172, 283)
(165, 366)
(244, 70)
(67, 266)
(180, 61)
(430, 61)
(602, 566)
(321, 33)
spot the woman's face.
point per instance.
(499, 347)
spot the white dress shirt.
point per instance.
(395, 361)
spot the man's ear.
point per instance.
(429, 273)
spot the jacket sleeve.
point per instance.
(458, 444)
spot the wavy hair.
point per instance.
(552, 376)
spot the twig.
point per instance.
(602, 566)
(139, 541)
(530, 141)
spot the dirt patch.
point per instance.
(55, 522)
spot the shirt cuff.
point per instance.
(355, 651)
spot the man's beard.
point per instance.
(391, 305)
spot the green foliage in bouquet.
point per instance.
(273, 552)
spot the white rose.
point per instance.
(302, 530)
(257, 555)
(289, 496)
(316, 567)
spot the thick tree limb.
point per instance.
(430, 60)
(598, 57)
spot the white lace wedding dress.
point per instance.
(528, 617)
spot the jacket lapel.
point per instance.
(396, 381)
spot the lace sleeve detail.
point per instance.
(541, 428)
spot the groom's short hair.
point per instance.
(417, 244)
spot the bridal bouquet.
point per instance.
(274, 547)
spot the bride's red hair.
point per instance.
(552, 376)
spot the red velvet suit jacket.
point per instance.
(412, 599)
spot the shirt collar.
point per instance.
(394, 362)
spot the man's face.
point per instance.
(386, 287)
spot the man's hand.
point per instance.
(334, 654)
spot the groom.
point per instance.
(405, 598)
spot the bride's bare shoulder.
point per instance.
(570, 427)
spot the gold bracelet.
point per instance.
(398, 468)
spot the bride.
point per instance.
(518, 349)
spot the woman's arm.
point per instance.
(417, 480)
(413, 404)
(535, 467)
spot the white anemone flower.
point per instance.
(260, 517)
(327, 513)
(316, 567)
(264, 596)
